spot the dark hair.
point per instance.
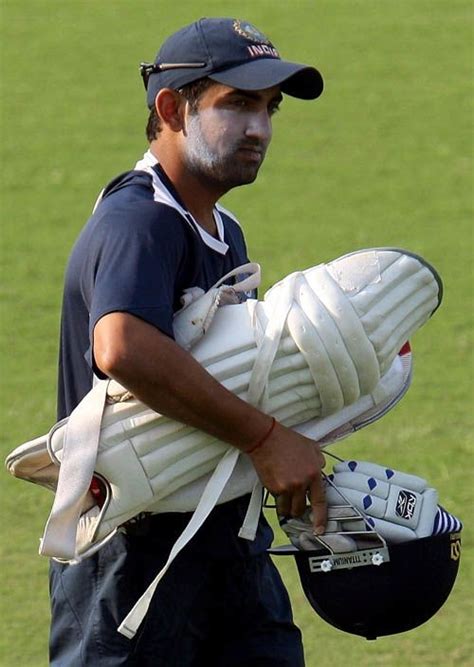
(192, 93)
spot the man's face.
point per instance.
(227, 137)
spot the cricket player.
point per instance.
(156, 231)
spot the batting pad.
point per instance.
(321, 343)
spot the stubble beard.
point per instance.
(223, 170)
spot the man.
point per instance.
(156, 231)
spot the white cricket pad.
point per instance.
(319, 351)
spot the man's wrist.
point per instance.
(263, 439)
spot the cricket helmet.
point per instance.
(390, 554)
(384, 596)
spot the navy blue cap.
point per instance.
(231, 52)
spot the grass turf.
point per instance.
(383, 158)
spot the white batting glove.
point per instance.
(399, 506)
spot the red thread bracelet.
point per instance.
(260, 442)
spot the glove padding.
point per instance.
(398, 506)
(300, 530)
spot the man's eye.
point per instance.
(273, 109)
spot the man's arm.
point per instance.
(170, 381)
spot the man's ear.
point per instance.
(170, 106)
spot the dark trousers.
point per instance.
(206, 612)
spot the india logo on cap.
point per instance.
(262, 45)
(250, 32)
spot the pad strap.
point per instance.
(77, 467)
(208, 501)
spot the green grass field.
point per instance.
(382, 159)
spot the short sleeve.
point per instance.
(139, 256)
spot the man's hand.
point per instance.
(289, 466)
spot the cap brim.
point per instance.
(296, 80)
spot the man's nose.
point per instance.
(260, 127)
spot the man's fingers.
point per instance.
(293, 501)
(291, 504)
(294, 504)
(283, 504)
(298, 503)
(319, 507)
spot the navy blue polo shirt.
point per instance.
(137, 254)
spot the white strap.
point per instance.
(247, 284)
(270, 342)
(81, 443)
(249, 527)
(208, 501)
(212, 492)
